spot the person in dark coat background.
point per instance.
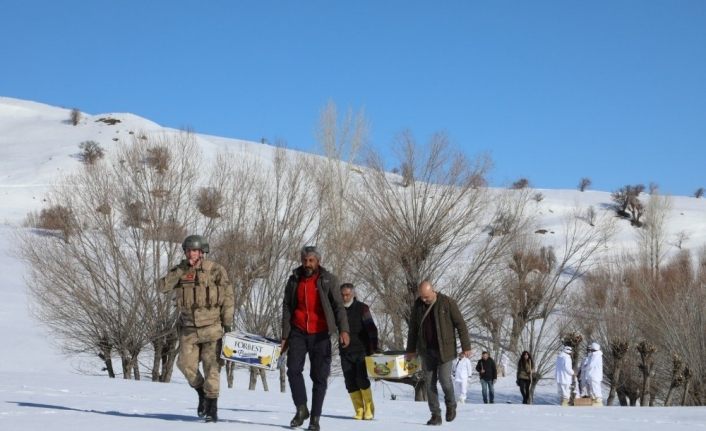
(488, 374)
(525, 373)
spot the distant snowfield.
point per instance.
(41, 389)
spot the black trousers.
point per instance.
(354, 372)
(524, 390)
(318, 347)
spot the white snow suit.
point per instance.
(462, 371)
(595, 375)
(564, 375)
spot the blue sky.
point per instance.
(552, 90)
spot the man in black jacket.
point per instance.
(312, 311)
(488, 375)
(434, 319)
(364, 340)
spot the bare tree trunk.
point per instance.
(169, 354)
(646, 351)
(686, 392)
(126, 365)
(668, 398)
(107, 360)
(397, 330)
(646, 382)
(158, 354)
(622, 398)
(614, 382)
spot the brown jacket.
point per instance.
(524, 370)
(448, 318)
(204, 295)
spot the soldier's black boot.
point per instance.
(211, 410)
(201, 408)
(314, 424)
(301, 415)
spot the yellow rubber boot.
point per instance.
(358, 406)
(369, 405)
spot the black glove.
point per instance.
(227, 328)
(517, 382)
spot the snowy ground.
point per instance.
(41, 389)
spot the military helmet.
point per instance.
(195, 242)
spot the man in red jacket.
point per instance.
(312, 311)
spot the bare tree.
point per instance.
(425, 226)
(584, 183)
(75, 116)
(659, 309)
(646, 350)
(652, 238)
(341, 141)
(416, 232)
(484, 274)
(680, 237)
(520, 184)
(268, 216)
(628, 204)
(530, 267)
(677, 379)
(577, 256)
(91, 152)
(99, 296)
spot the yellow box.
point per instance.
(391, 365)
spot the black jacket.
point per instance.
(488, 366)
(364, 333)
(331, 301)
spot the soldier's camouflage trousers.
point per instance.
(201, 344)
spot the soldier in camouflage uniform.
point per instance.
(205, 301)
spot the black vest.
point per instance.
(359, 335)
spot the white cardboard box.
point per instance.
(250, 350)
(391, 365)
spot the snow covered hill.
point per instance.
(42, 389)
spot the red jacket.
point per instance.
(309, 315)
